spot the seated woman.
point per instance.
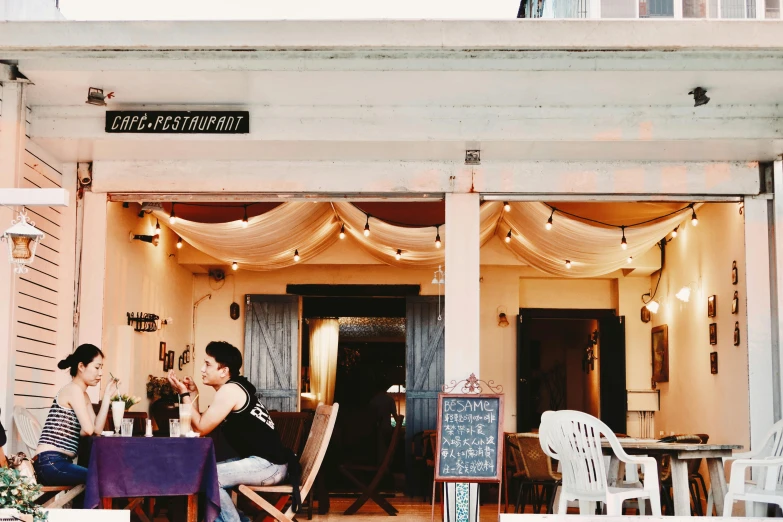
(70, 417)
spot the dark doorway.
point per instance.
(571, 359)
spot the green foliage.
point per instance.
(19, 492)
(159, 387)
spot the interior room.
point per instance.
(686, 258)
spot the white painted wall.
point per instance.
(694, 400)
(567, 293)
(30, 10)
(142, 278)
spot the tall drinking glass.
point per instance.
(173, 427)
(127, 427)
(117, 412)
(184, 418)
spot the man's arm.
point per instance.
(225, 401)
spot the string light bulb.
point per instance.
(179, 242)
(568, 264)
(296, 255)
(398, 255)
(244, 219)
(508, 236)
(694, 219)
(367, 227)
(549, 222)
(623, 242)
(157, 226)
(437, 237)
(506, 206)
(234, 265)
(172, 215)
(674, 232)
(630, 260)
(342, 231)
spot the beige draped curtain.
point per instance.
(324, 337)
(271, 239)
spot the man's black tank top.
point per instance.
(250, 430)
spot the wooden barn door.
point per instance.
(425, 368)
(272, 345)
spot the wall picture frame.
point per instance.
(713, 333)
(181, 361)
(162, 354)
(734, 273)
(714, 363)
(736, 334)
(735, 303)
(712, 306)
(171, 359)
(659, 341)
(166, 364)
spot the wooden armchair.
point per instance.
(311, 459)
(292, 427)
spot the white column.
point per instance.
(93, 275)
(757, 273)
(462, 286)
(11, 135)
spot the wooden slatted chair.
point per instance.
(30, 431)
(311, 459)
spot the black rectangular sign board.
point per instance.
(178, 122)
(470, 438)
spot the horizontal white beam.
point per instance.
(31, 197)
(292, 178)
(391, 34)
(437, 123)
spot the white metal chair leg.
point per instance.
(710, 503)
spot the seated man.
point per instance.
(246, 425)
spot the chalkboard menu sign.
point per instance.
(470, 438)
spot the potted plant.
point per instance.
(19, 492)
(164, 403)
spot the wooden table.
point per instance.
(680, 454)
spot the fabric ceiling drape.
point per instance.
(324, 337)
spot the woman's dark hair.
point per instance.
(227, 355)
(84, 354)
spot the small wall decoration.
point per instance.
(734, 273)
(181, 361)
(162, 354)
(711, 306)
(186, 354)
(713, 333)
(735, 303)
(166, 363)
(645, 315)
(736, 334)
(714, 363)
(170, 359)
(660, 353)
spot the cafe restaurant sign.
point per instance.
(178, 122)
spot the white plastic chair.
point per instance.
(767, 462)
(574, 438)
(29, 429)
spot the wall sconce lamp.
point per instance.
(146, 238)
(22, 239)
(95, 96)
(502, 318)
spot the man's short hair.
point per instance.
(226, 355)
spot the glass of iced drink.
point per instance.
(184, 418)
(117, 413)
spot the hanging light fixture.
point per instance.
(157, 226)
(179, 242)
(508, 236)
(367, 227)
(674, 232)
(172, 215)
(623, 242)
(506, 206)
(244, 219)
(296, 255)
(342, 231)
(437, 237)
(234, 265)
(629, 260)
(22, 239)
(398, 255)
(694, 219)
(684, 294)
(568, 264)
(549, 222)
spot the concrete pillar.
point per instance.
(462, 286)
(759, 305)
(12, 134)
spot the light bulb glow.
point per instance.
(674, 232)
(684, 294)
(172, 215)
(623, 242)
(508, 237)
(367, 227)
(630, 260)
(296, 255)
(437, 241)
(244, 219)
(342, 231)
(398, 255)
(234, 265)
(179, 242)
(694, 219)
(652, 306)
(548, 225)
(506, 206)
(157, 226)
(568, 264)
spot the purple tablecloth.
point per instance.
(122, 467)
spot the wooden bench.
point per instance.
(51, 497)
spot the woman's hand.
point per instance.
(179, 386)
(190, 384)
(111, 390)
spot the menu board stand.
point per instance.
(469, 448)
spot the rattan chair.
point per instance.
(538, 473)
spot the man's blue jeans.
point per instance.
(252, 471)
